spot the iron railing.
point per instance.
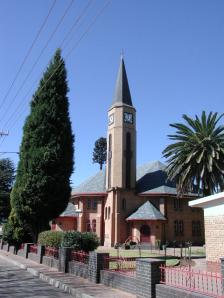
(209, 283)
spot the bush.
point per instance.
(90, 241)
(80, 241)
(13, 233)
(7, 233)
(50, 238)
(72, 239)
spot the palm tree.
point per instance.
(196, 159)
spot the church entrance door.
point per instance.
(145, 234)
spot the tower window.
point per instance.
(128, 160)
(123, 204)
(109, 160)
(108, 212)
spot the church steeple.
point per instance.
(122, 92)
(121, 136)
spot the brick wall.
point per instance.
(164, 291)
(187, 214)
(214, 235)
(50, 262)
(34, 257)
(119, 281)
(78, 269)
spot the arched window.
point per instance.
(88, 226)
(109, 160)
(123, 204)
(108, 212)
(128, 160)
(94, 226)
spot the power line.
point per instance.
(28, 53)
(69, 53)
(74, 25)
(38, 58)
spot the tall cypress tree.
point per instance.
(42, 188)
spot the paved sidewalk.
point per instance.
(76, 286)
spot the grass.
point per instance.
(170, 261)
(198, 251)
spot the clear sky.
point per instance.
(174, 55)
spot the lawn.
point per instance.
(170, 261)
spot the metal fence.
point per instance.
(209, 283)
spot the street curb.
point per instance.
(51, 281)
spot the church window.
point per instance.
(128, 160)
(94, 226)
(178, 228)
(88, 226)
(108, 212)
(88, 203)
(196, 228)
(109, 160)
(177, 204)
(95, 204)
(123, 204)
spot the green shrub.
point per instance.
(50, 238)
(13, 233)
(72, 239)
(90, 241)
(80, 241)
(7, 233)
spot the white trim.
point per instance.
(209, 201)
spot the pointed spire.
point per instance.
(122, 93)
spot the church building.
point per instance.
(129, 202)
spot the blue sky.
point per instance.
(173, 52)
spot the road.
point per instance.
(15, 282)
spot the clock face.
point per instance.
(128, 118)
(111, 119)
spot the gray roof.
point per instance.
(146, 212)
(69, 211)
(94, 184)
(122, 92)
(151, 178)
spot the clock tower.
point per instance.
(121, 136)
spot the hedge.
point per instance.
(50, 238)
(77, 240)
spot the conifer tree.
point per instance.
(42, 188)
(7, 175)
(100, 152)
